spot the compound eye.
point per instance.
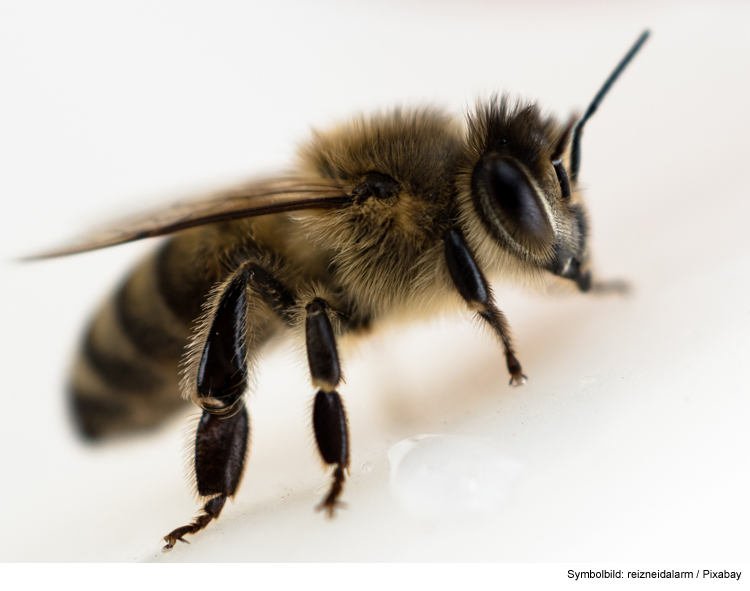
(507, 198)
(562, 177)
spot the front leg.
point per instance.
(329, 417)
(585, 284)
(476, 292)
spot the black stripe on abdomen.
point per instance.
(120, 372)
(146, 319)
(184, 277)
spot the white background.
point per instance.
(631, 436)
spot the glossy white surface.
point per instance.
(632, 432)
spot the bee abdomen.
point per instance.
(126, 377)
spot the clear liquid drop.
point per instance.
(435, 475)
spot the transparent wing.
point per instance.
(243, 201)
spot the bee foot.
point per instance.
(518, 380)
(177, 536)
(330, 507)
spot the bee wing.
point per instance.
(243, 201)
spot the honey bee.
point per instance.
(389, 215)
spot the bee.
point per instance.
(395, 214)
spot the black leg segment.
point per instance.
(329, 421)
(474, 289)
(220, 449)
(222, 373)
(329, 416)
(321, 346)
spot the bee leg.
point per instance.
(476, 292)
(586, 284)
(221, 440)
(329, 417)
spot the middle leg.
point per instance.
(329, 416)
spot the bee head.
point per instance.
(520, 188)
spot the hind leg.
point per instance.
(220, 382)
(221, 439)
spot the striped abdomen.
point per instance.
(126, 376)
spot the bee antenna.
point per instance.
(575, 151)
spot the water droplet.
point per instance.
(588, 380)
(366, 467)
(435, 475)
